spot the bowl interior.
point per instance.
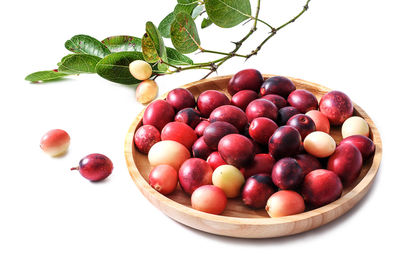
(235, 207)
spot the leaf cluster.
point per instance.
(110, 57)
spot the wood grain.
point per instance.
(238, 220)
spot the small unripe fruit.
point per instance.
(355, 126)
(168, 152)
(285, 203)
(55, 142)
(164, 179)
(229, 179)
(140, 70)
(321, 121)
(319, 144)
(209, 198)
(146, 91)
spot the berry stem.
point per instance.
(213, 66)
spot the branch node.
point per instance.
(213, 67)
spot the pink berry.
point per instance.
(209, 198)
(164, 179)
(55, 142)
(285, 203)
(95, 167)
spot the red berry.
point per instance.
(95, 167)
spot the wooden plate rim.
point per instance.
(358, 191)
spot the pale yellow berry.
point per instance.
(319, 144)
(355, 126)
(168, 152)
(146, 91)
(140, 70)
(229, 179)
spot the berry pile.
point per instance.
(268, 144)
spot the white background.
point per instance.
(50, 216)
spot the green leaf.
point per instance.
(44, 76)
(121, 43)
(165, 25)
(115, 67)
(78, 63)
(176, 58)
(153, 46)
(184, 34)
(186, 6)
(228, 13)
(84, 44)
(197, 11)
(205, 23)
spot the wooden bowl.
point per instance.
(238, 220)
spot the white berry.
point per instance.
(146, 91)
(140, 70)
(355, 126)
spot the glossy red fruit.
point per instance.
(201, 127)
(248, 79)
(200, 149)
(95, 167)
(210, 100)
(363, 144)
(257, 190)
(189, 116)
(287, 174)
(215, 160)
(210, 199)
(194, 173)
(321, 187)
(215, 131)
(181, 98)
(303, 124)
(231, 114)
(158, 114)
(346, 162)
(277, 85)
(261, 108)
(236, 150)
(164, 179)
(145, 137)
(259, 148)
(278, 100)
(336, 106)
(262, 163)
(285, 142)
(242, 98)
(261, 129)
(285, 113)
(179, 132)
(308, 163)
(303, 100)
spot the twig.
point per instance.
(213, 66)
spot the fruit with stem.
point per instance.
(95, 167)
(140, 69)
